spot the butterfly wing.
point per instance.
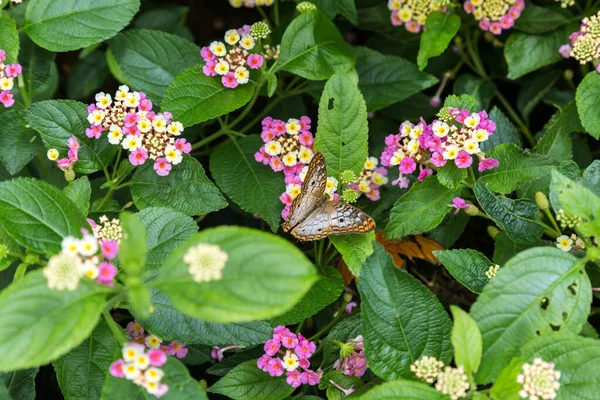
(312, 193)
(333, 218)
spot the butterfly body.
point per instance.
(314, 216)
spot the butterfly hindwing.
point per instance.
(312, 193)
(333, 218)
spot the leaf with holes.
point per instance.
(511, 310)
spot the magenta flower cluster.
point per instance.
(354, 363)
(8, 72)
(289, 353)
(495, 15)
(289, 147)
(130, 122)
(456, 138)
(230, 62)
(66, 163)
(137, 334)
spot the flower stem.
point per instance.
(552, 220)
(209, 139)
(515, 117)
(20, 272)
(116, 330)
(331, 323)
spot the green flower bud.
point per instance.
(31, 258)
(204, 384)
(444, 115)
(349, 195)
(493, 231)
(542, 201)
(347, 176)
(260, 30)
(473, 211)
(69, 175)
(3, 251)
(347, 297)
(306, 6)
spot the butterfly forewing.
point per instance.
(312, 193)
(333, 218)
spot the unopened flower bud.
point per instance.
(349, 195)
(542, 201)
(3, 251)
(204, 384)
(306, 6)
(473, 211)
(347, 297)
(493, 231)
(568, 74)
(435, 102)
(260, 30)
(69, 175)
(32, 258)
(347, 176)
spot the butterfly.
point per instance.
(314, 216)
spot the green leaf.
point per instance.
(354, 249)
(385, 80)
(342, 380)
(166, 229)
(421, 209)
(186, 189)
(331, 8)
(264, 276)
(520, 219)
(556, 140)
(58, 120)
(577, 359)
(18, 145)
(343, 331)
(168, 323)
(536, 19)
(480, 89)
(313, 48)
(38, 64)
(534, 90)
(516, 167)
(577, 200)
(181, 385)
(193, 97)
(511, 310)
(402, 319)
(114, 68)
(463, 101)
(403, 389)
(250, 184)
(466, 340)
(247, 382)
(37, 215)
(80, 191)
(541, 50)
(343, 131)
(588, 102)
(451, 176)
(150, 60)
(20, 384)
(441, 28)
(450, 230)
(81, 372)
(164, 17)
(31, 333)
(132, 249)
(506, 386)
(325, 291)
(87, 76)
(466, 266)
(506, 249)
(271, 83)
(10, 38)
(74, 24)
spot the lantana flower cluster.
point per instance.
(80, 258)
(138, 335)
(251, 3)
(495, 15)
(369, 181)
(455, 137)
(8, 73)
(289, 353)
(413, 13)
(205, 262)
(232, 63)
(585, 43)
(352, 360)
(449, 381)
(131, 123)
(66, 163)
(568, 243)
(539, 380)
(142, 368)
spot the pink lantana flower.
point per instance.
(162, 166)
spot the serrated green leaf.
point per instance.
(520, 219)
(87, 76)
(535, 19)
(451, 176)
(441, 28)
(18, 145)
(556, 140)
(81, 372)
(354, 249)
(402, 389)
(505, 131)
(37, 215)
(421, 209)
(331, 8)
(466, 340)
(10, 38)
(541, 50)
(463, 101)
(79, 191)
(588, 103)
(38, 66)
(313, 48)
(193, 97)
(20, 384)
(385, 80)
(402, 319)
(58, 120)
(30, 334)
(74, 24)
(186, 189)
(150, 60)
(132, 249)
(164, 17)
(343, 130)
(505, 249)
(247, 382)
(250, 184)
(506, 386)
(264, 276)
(516, 167)
(466, 266)
(511, 311)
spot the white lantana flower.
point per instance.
(206, 262)
(564, 243)
(64, 271)
(539, 380)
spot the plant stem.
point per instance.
(116, 330)
(276, 12)
(209, 138)
(116, 167)
(331, 323)
(515, 117)
(20, 272)
(552, 220)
